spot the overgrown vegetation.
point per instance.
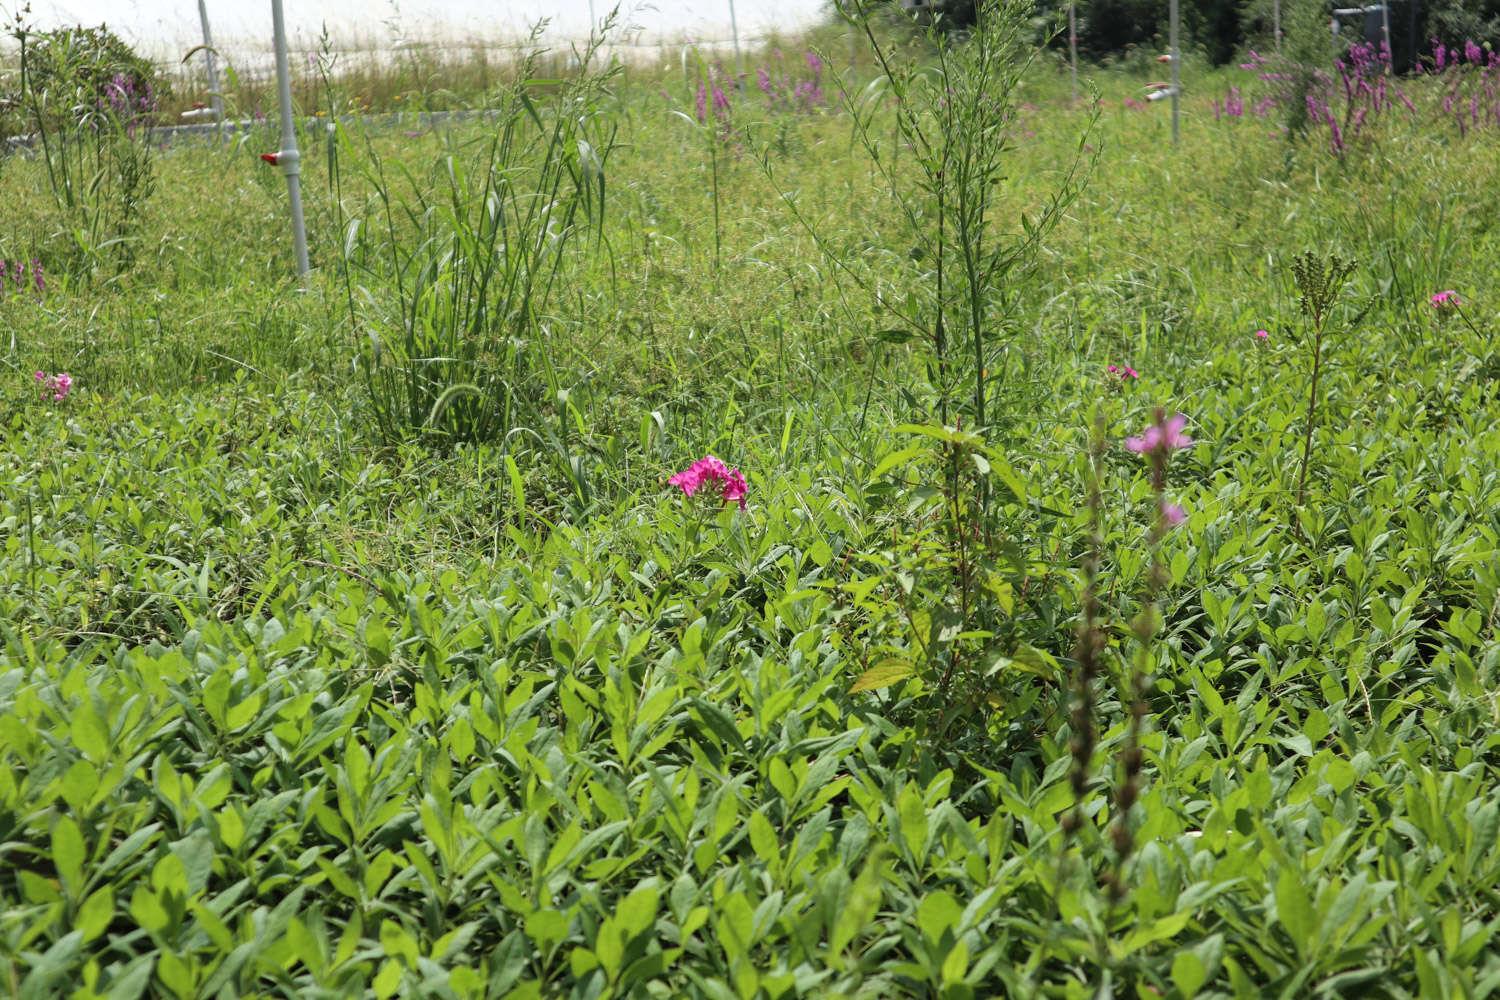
(308, 689)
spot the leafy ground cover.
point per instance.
(289, 708)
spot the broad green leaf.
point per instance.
(1294, 909)
(95, 913)
(68, 854)
(891, 670)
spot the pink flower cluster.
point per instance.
(54, 387)
(19, 273)
(1444, 300)
(1261, 335)
(1164, 437)
(1124, 373)
(1159, 441)
(709, 469)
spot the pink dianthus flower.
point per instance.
(710, 470)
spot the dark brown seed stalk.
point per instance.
(1089, 644)
(1122, 838)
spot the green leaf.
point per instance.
(1294, 909)
(147, 910)
(398, 943)
(517, 487)
(89, 734)
(176, 973)
(242, 713)
(636, 913)
(50, 970)
(546, 927)
(891, 670)
(387, 979)
(1159, 929)
(68, 854)
(1188, 974)
(96, 912)
(1000, 469)
(858, 914)
(937, 914)
(955, 964)
(897, 458)
(913, 813)
(763, 839)
(734, 925)
(131, 982)
(609, 947)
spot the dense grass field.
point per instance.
(296, 703)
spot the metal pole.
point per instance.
(1073, 45)
(215, 96)
(287, 158)
(734, 29)
(1385, 16)
(1176, 75)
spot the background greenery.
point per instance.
(288, 709)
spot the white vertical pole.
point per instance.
(1073, 45)
(1385, 15)
(1176, 75)
(208, 58)
(287, 158)
(734, 29)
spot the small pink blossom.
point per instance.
(1172, 514)
(1165, 437)
(1261, 335)
(1444, 300)
(1124, 373)
(54, 387)
(708, 469)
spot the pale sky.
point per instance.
(163, 27)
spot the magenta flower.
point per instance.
(1445, 300)
(54, 387)
(1163, 437)
(1171, 514)
(1261, 335)
(710, 470)
(1124, 373)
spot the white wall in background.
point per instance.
(167, 27)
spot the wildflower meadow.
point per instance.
(847, 518)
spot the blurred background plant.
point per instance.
(86, 103)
